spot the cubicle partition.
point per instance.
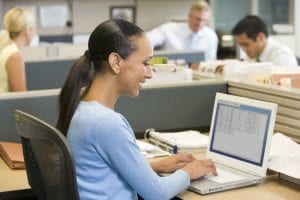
(42, 103)
(190, 56)
(163, 107)
(51, 73)
(47, 74)
(172, 108)
(288, 100)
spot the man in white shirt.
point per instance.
(191, 35)
(251, 34)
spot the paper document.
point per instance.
(285, 156)
(283, 146)
(150, 151)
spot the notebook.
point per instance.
(240, 137)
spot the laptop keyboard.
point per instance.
(224, 176)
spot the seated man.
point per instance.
(251, 34)
(191, 35)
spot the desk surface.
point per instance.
(271, 189)
(12, 179)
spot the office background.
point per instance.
(86, 14)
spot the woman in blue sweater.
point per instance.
(108, 162)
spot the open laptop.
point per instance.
(240, 137)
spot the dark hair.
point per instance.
(110, 36)
(251, 25)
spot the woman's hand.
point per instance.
(199, 168)
(172, 163)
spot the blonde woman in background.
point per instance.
(19, 30)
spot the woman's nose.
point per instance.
(148, 72)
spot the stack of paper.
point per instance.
(285, 156)
(167, 73)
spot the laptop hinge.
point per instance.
(246, 171)
(253, 173)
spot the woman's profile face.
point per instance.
(136, 68)
(31, 33)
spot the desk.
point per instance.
(272, 188)
(13, 185)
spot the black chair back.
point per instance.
(48, 159)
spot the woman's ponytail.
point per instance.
(4, 39)
(77, 83)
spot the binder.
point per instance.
(12, 154)
(151, 151)
(185, 141)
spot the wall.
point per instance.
(149, 13)
(88, 13)
(225, 16)
(7, 4)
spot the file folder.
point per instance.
(12, 154)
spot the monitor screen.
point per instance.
(240, 131)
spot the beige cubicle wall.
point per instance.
(48, 51)
(288, 100)
(71, 50)
(34, 53)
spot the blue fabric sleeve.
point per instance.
(118, 147)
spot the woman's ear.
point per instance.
(114, 61)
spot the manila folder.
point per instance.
(12, 154)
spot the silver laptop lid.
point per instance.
(240, 134)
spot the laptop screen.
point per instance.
(240, 131)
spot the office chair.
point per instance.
(48, 159)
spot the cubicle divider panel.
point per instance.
(47, 74)
(175, 108)
(42, 104)
(51, 73)
(191, 56)
(288, 100)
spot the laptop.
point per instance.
(240, 137)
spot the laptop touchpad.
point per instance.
(224, 176)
